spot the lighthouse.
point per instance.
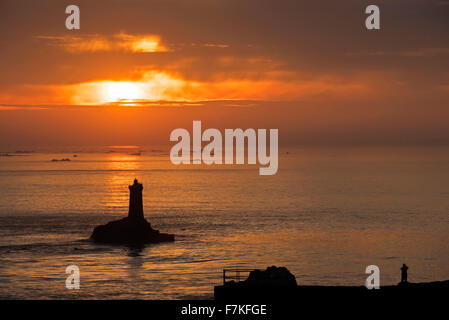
(135, 201)
(134, 229)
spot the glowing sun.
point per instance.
(123, 90)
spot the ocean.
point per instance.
(326, 215)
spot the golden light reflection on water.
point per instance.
(117, 182)
(325, 221)
(180, 270)
(123, 162)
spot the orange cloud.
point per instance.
(162, 86)
(117, 42)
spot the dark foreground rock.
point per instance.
(272, 276)
(277, 284)
(129, 231)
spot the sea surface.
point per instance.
(326, 215)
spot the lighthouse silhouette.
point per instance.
(135, 201)
(134, 229)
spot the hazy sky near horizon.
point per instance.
(309, 68)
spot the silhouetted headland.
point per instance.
(134, 229)
(278, 284)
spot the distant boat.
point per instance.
(59, 160)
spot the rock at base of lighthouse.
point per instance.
(129, 231)
(134, 229)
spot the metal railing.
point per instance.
(236, 274)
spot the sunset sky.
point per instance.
(136, 70)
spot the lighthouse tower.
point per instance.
(134, 229)
(135, 201)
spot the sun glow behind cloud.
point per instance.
(154, 86)
(123, 90)
(222, 76)
(159, 86)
